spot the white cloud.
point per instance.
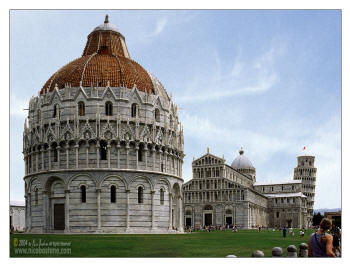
(243, 78)
(17, 106)
(160, 26)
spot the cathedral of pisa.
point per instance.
(103, 150)
(228, 195)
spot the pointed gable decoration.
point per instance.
(108, 132)
(87, 132)
(135, 96)
(108, 94)
(55, 97)
(145, 135)
(67, 132)
(80, 91)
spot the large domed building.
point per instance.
(103, 147)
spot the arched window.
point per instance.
(109, 108)
(140, 195)
(134, 110)
(83, 193)
(36, 191)
(54, 152)
(140, 153)
(161, 196)
(113, 194)
(81, 107)
(39, 115)
(103, 150)
(157, 115)
(56, 111)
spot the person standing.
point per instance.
(284, 231)
(321, 243)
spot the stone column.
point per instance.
(45, 209)
(146, 150)
(180, 228)
(67, 156)
(98, 154)
(29, 211)
(170, 211)
(153, 209)
(87, 156)
(118, 155)
(66, 211)
(127, 210)
(49, 151)
(58, 156)
(109, 154)
(76, 156)
(98, 195)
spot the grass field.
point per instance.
(197, 244)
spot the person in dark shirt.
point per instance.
(321, 243)
(284, 231)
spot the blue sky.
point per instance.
(269, 81)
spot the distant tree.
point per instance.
(316, 219)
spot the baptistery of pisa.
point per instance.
(103, 147)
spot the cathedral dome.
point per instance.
(105, 61)
(106, 26)
(241, 161)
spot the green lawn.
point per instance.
(198, 244)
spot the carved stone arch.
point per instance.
(108, 94)
(176, 189)
(142, 177)
(98, 186)
(78, 175)
(32, 181)
(127, 133)
(67, 133)
(167, 182)
(108, 132)
(87, 132)
(146, 135)
(160, 137)
(50, 135)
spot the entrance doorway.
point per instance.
(289, 222)
(208, 219)
(229, 220)
(58, 216)
(188, 222)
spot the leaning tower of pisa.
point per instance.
(306, 172)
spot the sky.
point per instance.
(267, 81)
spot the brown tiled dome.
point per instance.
(105, 59)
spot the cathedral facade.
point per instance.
(228, 195)
(103, 146)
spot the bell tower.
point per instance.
(306, 172)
